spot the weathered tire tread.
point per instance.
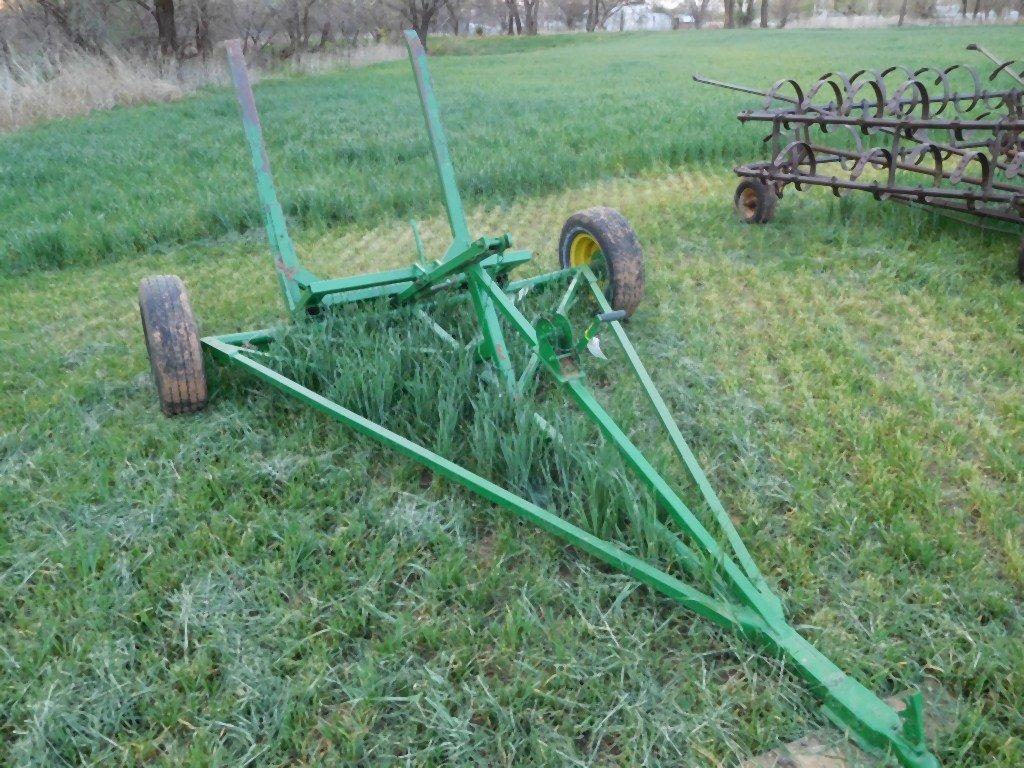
(623, 253)
(172, 340)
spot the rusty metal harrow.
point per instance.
(951, 139)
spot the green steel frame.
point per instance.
(741, 600)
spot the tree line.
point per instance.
(292, 28)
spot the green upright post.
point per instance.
(438, 142)
(286, 263)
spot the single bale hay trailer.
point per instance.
(600, 258)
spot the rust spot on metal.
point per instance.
(284, 269)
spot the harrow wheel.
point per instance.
(172, 340)
(755, 201)
(602, 238)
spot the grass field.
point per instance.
(254, 586)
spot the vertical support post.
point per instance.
(286, 263)
(494, 346)
(421, 255)
(438, 142)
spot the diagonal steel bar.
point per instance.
(286, 262)
(735, 618)
(438, 142)
(682, 448)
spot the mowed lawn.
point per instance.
(255, 585)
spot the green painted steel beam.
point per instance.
(498, 264)
(730, 617)
(438, 142)
(855, 709)
(253, 338)
(529, 282)
(474, 253)
(322, 288)
(681, 447)
(286, 262)
(493, 347)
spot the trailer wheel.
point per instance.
(602, 238)
(755, 201)
(172, 340)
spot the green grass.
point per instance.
(350, 146)
(257, 584)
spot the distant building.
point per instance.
(642, 17)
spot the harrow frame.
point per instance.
(741, 599)
(916, 140)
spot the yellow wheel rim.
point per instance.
(582, 250)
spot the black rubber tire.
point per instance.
(623, 254)
(754, 201)
(172, 340)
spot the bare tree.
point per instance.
(785, 10)
(696, 11)
(599, 11)
(418, 14)
(455, 9)
(699, 12)
(729, 6)
(573, 13)
(746, 14)
(530, 9)
(162, 12)
(764, 14)
(513, 21)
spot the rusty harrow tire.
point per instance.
(596, 233)
(754, 201)
(172, 340)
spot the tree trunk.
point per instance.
(730, 7)
(748, 13)
(701, 14)
(515, 21)
(764, 14)
(166, 31)
(326, 35)
(203, 29)
(530, 7)
(454, 18)
(977, 7)
(591, 15)
(903, 13)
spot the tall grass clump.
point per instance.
(76, 84)
(40, 88)
(390, 366)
